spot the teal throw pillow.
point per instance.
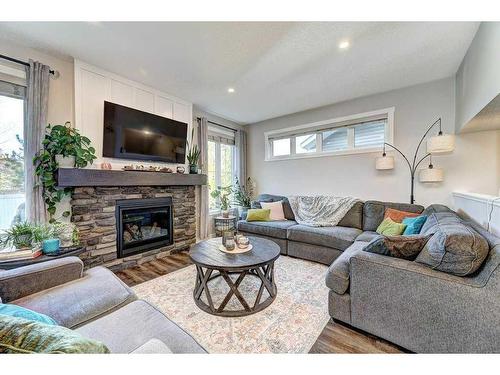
(414, 224)
(21, 312)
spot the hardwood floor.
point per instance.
(335, 337)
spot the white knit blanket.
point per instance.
(320, 211)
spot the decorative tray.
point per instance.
(236, 250)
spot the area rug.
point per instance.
(291, 324)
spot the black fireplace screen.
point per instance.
(143, 224)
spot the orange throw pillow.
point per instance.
(397, 215)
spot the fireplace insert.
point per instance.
(143, 224)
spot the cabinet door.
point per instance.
(164, 107)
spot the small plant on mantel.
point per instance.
(193, 155)
(61, 141)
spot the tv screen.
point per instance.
(137, 135)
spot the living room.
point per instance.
(249, 187)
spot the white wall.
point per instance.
(61, 88)
(478, 78)
(93, 86)
(474, 165)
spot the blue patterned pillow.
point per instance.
(21, 312)
(414, 224)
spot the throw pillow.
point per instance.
(404, 247)
(18, 335)
(21, 312)
(276, 208)
(389, 227)
(414, 224)
(258, 214)
(397, 215)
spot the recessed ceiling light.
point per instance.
(344, 44)
(230, 90)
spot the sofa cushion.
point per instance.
(367, 236)
(374, 211)
(276, 229)
(398, 215)
(130, 327)
(153, 346)
(287, 209)
(405, 247)
(258, 214)
(19, 335)
(72, 304)
(354, 217)
(389, 227)
(338, 274)
(335, 237)
(455, 247)
(276, 210)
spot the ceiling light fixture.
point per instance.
(344, 44)
(230, 90)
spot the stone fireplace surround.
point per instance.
(93, 212)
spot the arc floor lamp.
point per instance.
(438, 144)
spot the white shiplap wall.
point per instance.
(93, 86)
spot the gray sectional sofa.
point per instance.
(95, 303)
(405, 302)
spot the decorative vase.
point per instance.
(225, 214)
(51, 246)
(193, 169)
(65, 161)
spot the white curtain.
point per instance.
(241, 156)
(202, 136)
(35, 121)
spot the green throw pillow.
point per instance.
(21, 312)
(18, 335)
(390, 228)
(259, 214)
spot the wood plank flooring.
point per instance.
(335, 337)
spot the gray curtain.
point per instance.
(202, 136)
(35, 121)
(241, 156)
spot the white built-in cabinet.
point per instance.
(93, 86)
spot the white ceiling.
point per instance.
(276, 68)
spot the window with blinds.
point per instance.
(365, 132)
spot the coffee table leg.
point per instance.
(201, 285)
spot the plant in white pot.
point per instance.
(62, 146)
(223, 195)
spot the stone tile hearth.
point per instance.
(93, 212)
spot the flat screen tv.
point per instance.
(137, 135)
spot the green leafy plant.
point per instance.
(194, 152)
(66, 141)
(243, 194)
(23, 235)
(223, 194)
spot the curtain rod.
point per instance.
(19, 62)
(222, 126)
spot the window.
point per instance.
(221, 166)
(364, 132)
(12, 193)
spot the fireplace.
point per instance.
(143, 224)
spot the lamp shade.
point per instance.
(384, 162)
(431, 174)
(441, 144)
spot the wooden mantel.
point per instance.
(71, 177)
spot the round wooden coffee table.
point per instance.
(211, 263)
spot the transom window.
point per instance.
(364, 132)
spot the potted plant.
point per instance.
(223, 194)
(62, 146)
(19, 236)
(243, 195)
(193, 155)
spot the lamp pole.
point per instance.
(413, 166)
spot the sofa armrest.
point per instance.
(23, 281)
(422, 309)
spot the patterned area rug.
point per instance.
(291, 324)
